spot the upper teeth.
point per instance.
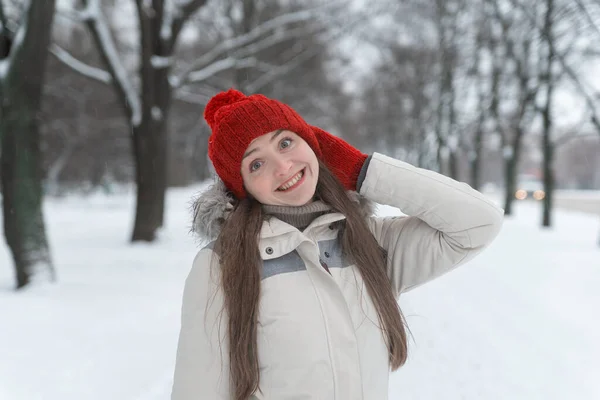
(291, 182)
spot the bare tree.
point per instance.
(160, 24)
(22, 64)
(554, 49)
(477, 73)
(515, 79)
(549, 83)
(446, 13)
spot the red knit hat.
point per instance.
(236, 120)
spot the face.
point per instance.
(280, 168)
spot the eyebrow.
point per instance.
(277, 133)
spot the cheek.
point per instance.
(311, 158)
(257, 186)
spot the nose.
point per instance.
(282, 166)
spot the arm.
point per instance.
(201, 367)
(448, 222)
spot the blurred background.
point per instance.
(103, 146)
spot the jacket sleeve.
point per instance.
(201, 366)
(447, 222)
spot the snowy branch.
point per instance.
(245, 39)
(222, 65)
(192, 98)
(161, 62)
(3, 21)
(275, 73)
(86, 70)
(590, 101)
(245, 54)
(167, 21)
(101, 33)
(75, 15)
(279, 37)
(306, 55)
(588, 16)
(9, 62)
(183, 11)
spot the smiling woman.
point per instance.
(296, 295)
(281, 169)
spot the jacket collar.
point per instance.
(212, 207)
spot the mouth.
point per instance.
(293, 182)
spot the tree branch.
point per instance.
(78, 66)
(242, 40)
(22, 49)
(96, 22)
(590, 101)
(3, 21)
(275, 73)
(221, 65)
(277, 38)
(180, 16)
(303, 56)
(587, 16)
(192, 98)
(245, 53)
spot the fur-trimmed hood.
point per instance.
(212, 206)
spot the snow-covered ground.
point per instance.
(518, 322)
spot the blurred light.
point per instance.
(521, 194)
(539, 195)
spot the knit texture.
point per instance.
(344, 161)
(236, 120)
(299, 217)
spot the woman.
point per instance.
(296, 296)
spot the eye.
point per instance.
(255, 165)
(285, 143)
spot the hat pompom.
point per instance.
(220, 100)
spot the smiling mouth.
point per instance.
(292, 182)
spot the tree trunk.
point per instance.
(548, 146)
(548, 173)
(476, 158)
(150, 142)
(453, 164)
(512, 169)
(150, 158)
(510, 183)
(20, 95)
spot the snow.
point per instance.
(157, 113)
(166, 31)
(6, 63)
(3, 69)
(160, 62)
(517, 322)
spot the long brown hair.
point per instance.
(240, 264)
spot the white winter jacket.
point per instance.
(318, 333)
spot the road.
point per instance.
(578, 200)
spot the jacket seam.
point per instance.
(327, 332)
